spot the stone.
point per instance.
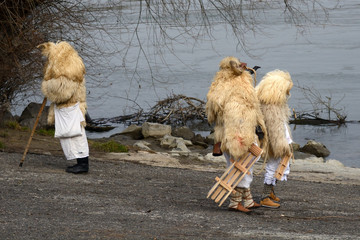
(168, 141)
(6, 116)
(210, 139)
(218, 159)
(155, 130)
(181, 147)
(142, 145)
(295, 146)
(199, 140)
(134, 131)
(28, 116)
(316, 148)
(183, 132)
(173, 142)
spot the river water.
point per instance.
(324, 58)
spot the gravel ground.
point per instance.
(125, 200)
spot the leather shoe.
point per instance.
(78, 168)
(267, 202)
(241, 208)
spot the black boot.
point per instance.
(82, 166)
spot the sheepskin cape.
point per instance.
(273, 92)
(64, 82)
(234, 108)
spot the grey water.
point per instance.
(324, 58)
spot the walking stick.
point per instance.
(32, 132)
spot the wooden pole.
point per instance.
(32, 132)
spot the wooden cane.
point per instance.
(32, 132)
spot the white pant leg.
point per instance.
(270, 169)
(246, 181)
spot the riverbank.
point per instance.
(305, 167)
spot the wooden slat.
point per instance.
(222, 177)
(281, 168)
(233, 175)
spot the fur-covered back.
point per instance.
(273, 92)
(274, 87)
(234, 108)
(63, 60)
(64, 82)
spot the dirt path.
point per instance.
(126, 200)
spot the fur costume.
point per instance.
(234, 108)
(64, 82)
(273, 92)
(64, 86)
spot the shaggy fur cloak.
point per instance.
(64, 82)
(273, 92)
(234, 108)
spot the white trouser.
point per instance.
(75, 147)
(246, 181)
(71, 133)
(272, 164)
(270, 169)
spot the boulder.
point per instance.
(177, 144)
(28, 116)
(295, 146)
(168, 141)
(172, 142)
(183, 132)
(134, 131)
(181, 147)
(155, 130)
(316, 148)
(6, 116)
(199, 140)
(210, 139)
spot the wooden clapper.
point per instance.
(232, 176)
(281, 167)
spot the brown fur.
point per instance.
(273, 92)
(234, 108)
(64, 82)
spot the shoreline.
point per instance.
(308, 169)
(305, 167)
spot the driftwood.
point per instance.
(314, 119)
(174, 110)
(179, 110)
(94, 128)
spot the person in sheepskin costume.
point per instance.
(64, 86)
(273, 92)
(234, 108)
